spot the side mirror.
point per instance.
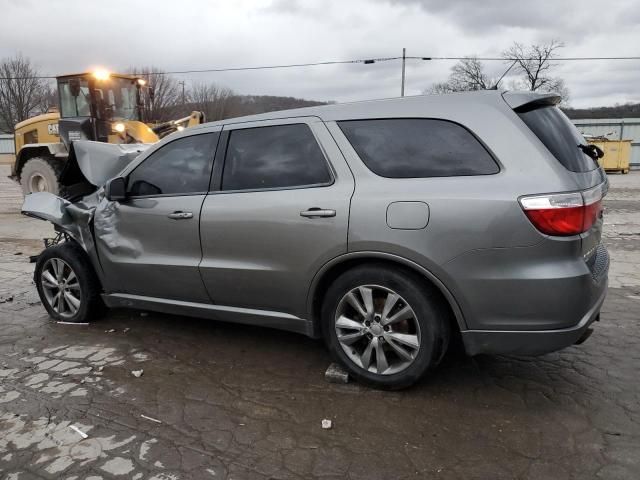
(116, 189)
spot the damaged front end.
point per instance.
(89, 167)
(92, 164)
(70, 220)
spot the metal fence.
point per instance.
(614, 129)
(6, 144)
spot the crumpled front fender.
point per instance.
(74, 219)
(49, 207)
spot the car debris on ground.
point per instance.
(336, 374)
(78, 431)
(150, 418)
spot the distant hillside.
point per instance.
(618, 111)
(230, 105)
(240, 105)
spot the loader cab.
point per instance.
(97, 106)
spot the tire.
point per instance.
(426, 322)
(82, 302)
(41, 174)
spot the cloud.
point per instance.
(75, 35)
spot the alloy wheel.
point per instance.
(61, 287)
(377, 329)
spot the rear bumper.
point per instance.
(531, 342)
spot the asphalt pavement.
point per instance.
(214, 400)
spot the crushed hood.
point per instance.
(97, 162)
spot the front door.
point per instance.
(149, 244)
(278, 212)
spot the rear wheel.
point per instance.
(41, 174)
(67, 284)
(384, 325)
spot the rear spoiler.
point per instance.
(522, 102)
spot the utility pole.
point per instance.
(404, 58)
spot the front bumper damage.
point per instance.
(88, 168)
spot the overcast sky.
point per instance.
(66, 36)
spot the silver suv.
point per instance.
(385, 227)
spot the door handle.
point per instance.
(180, 215)
(318, 212)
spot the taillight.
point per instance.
(564, 214)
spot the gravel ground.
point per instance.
(227, 401)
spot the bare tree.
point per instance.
(48, 98)
(21, 92)
(534, 64)
(165, 102)
(466, 75)
(210, 99)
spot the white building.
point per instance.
(6, 144)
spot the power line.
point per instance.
(293, 65)
(511, 59)
(365, 61)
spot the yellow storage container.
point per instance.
(617, 154)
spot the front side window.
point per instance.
(418, 148)
(281, 156)
(75, 100)
(180, 167)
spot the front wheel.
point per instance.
(385, 325)
(67, 284)
(41, 174)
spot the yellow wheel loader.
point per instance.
(97, 106)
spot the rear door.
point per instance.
(278, 211)
(149, 244)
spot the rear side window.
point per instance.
(561, 138)
(281, 156)
(417, 148)
(180, 167)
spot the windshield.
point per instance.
(116, 99)
(561, 138)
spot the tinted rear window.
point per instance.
(561, 138)
(282, 156)
(418, 148)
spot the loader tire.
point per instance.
(41, 174)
